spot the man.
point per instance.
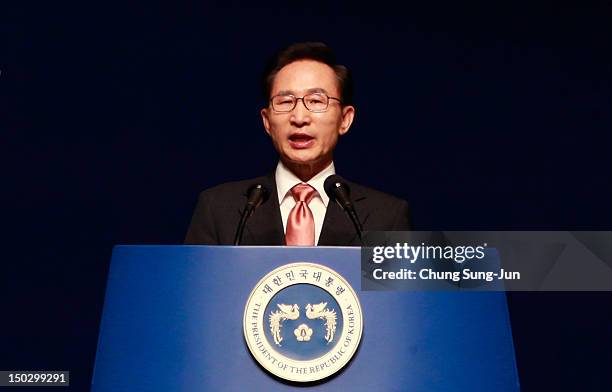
(308, 108)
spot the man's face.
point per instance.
(301, 137)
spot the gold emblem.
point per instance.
(286, 312)
(329, 316)
(303, 322)
(303, 333)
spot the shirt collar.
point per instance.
(285, 180)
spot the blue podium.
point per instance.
(173, 321)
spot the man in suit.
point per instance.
(309, 107)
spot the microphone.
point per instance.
(338, 190)
(256, 195)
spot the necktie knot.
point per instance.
(303, 192)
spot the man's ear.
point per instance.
(265, 113)
(348, 114)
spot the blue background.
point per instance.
(484, 115)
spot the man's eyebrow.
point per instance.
(309, 91)
(316, 90)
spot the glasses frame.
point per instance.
(296, 99)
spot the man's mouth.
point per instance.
(301, 140)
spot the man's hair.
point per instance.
(316, 51)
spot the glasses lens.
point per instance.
(283, 103)
(316, 102)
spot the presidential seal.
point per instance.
(303, 322)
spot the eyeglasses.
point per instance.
(316, 102)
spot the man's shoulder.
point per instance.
(232, 195)
(236, 188)
(217, 212)
(381, 211)
(362, 191)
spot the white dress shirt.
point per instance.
(285, 180)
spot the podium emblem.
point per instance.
(303, 322)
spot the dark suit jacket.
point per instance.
(218, 211)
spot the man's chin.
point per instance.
(301, 161)
(304, 162)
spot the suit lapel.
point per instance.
(265, 227)
(338, 230)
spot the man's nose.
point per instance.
(300, 115)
